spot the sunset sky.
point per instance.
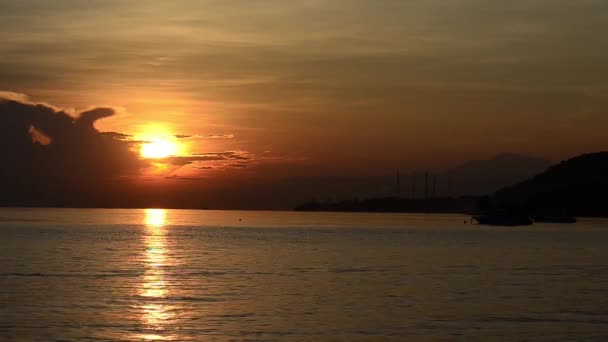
(321, 87)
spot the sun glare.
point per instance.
(158, 148)
(155, 217)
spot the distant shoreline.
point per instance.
(272, 210)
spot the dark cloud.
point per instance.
(209, 136)
(119, 136)
(87, 119)
(232, 155)
(49, 156)
(220, 136)
(206, 157)
(185, 178)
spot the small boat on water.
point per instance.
(554, 218)
(503, 219)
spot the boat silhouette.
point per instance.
(502, 218)
(553, 218)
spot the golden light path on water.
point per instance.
(155, 311)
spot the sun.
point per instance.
(157, 148)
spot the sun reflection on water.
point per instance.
(155, 217)
(156, 313)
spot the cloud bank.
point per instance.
(47, 153)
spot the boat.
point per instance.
(502, 219)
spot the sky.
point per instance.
(276, 89)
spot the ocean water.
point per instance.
(178, 275)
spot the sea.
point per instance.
(184, 275)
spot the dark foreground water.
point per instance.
(133, 275)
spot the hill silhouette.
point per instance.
(578, 186)
(486, 176)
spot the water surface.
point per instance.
(178, 275)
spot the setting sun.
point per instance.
(158, 148)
